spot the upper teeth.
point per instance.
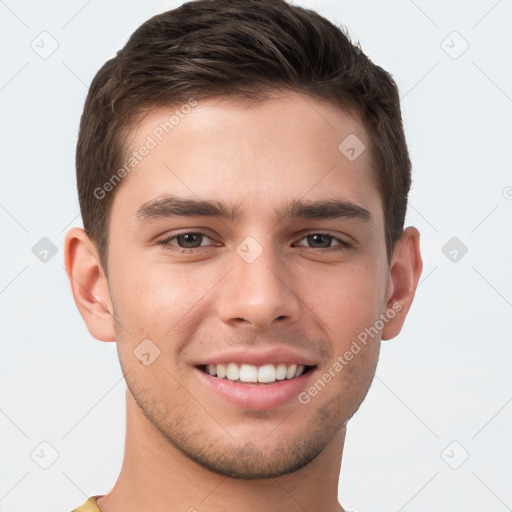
(250, 373)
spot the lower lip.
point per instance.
(258, 397)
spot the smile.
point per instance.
(249, 373)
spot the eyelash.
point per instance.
(343, 245)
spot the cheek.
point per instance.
(346, 299)
(153, 298)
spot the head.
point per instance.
(243, 179)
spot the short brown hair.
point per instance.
(244, 49)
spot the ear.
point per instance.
(89, 284)
(405, 270)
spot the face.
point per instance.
(246, 256)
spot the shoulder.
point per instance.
(89, 506)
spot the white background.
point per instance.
(445, 378)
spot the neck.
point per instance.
(157, 476)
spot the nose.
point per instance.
(258, 293)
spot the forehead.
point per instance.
(290, 146)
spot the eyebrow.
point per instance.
(173, 206)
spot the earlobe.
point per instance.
(89, 284)
(405, 270)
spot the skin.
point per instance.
(187, 447)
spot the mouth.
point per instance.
(256, 379)
(252, 374)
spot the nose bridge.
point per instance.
(255, 293)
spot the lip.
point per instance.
(259, 357)
(257, 397)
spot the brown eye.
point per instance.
(319, 241)
(189, 240)
(185, 242)
(323, 240)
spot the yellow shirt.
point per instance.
(89, 506)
